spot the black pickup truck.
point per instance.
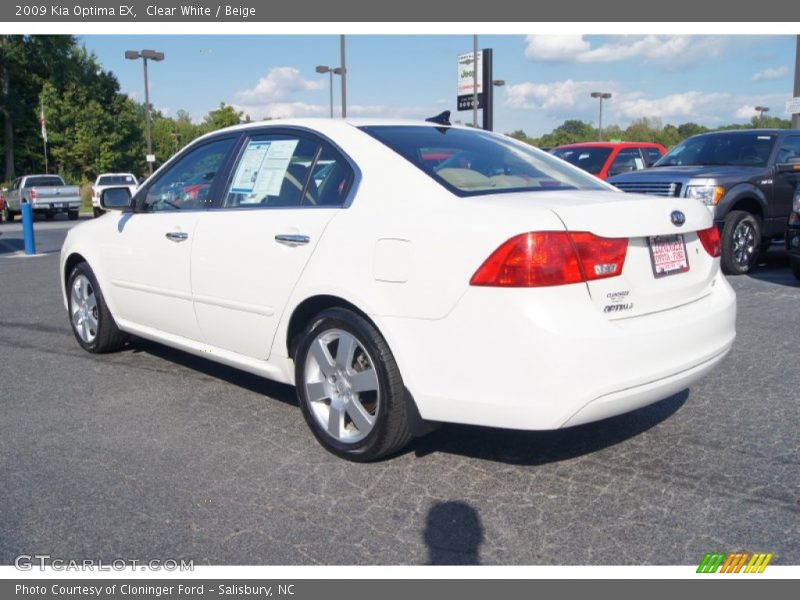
(743, 178)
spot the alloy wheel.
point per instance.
(83, 309)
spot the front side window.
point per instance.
(472, 162)
(592, 160)
(789, 150)
(186, 184)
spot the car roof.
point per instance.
(610, 145)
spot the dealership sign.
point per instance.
(793, 106)
(466, 80)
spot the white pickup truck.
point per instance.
(107, 180)
(47, 195)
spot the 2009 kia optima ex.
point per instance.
(399, 273)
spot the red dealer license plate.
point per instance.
(668, 255)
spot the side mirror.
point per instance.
(115, 198)
(789, 167)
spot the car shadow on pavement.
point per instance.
(253, 383)
(773, 267)
(11, 245)
(542, 447)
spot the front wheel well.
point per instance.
(72, 261)
(750, 205)
(308, 309)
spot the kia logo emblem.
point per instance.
(677, 218)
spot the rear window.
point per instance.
(43, 182)
(589, 159)
(473, 162)
(116, 180)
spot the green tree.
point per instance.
(224, 116)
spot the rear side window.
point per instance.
(473, 162)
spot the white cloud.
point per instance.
(690, 105)
(279, 84)
(745, 112)
(771, 74)
(554, 96)
(666, 51)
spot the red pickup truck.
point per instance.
(606, 159)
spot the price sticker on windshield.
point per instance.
(668, 255)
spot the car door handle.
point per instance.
(177, 236)
(292, 239)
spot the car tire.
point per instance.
(794, 262)
(89, 317)
(741, 241)
(9, 215)
(349, 387)
(73, 215)
(49, 216)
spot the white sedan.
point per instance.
(403, 273)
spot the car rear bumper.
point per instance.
(547, 358)
(60, 206)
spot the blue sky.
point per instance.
(711, 80)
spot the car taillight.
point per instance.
(94, 192)
(546, 258)
(710, 240)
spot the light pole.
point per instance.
(343, 73)
(761, 110)
(602, 96)
(146, 55)
(322, 69)
(796, 116)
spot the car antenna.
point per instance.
(443, 118)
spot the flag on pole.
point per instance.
(43, 124)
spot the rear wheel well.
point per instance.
(307, 310)
(72, 261)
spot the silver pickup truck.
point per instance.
(47, 195)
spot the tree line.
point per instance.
(91, 126)
(641, 130)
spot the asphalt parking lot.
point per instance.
(154, 454)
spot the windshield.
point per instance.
(43, 182)
(728, 148)
(472, 162)
(587, 158)
(116, 180)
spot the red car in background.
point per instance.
(606, 159)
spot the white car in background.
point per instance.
(107, 180)
(399, 273)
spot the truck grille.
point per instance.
(654, 188)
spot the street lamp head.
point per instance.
(338, 71)
(152, 55)
(762, 109)
(499, 82)
(603, 95)
(131, 54)
(322, 69)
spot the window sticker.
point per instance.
(639, 163)
(262, 169)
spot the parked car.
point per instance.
(500, 287)
(111, 180)
(606, 159)
(3, 204)
(792, 170)
(735, 174)
(47, 195)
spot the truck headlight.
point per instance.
(707, 194)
